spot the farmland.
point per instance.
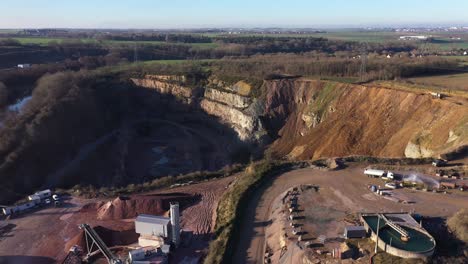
(43, 41)
(441, 40)
(450, 81)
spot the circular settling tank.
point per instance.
(417, 242)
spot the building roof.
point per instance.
(153, 219)
(355, 228)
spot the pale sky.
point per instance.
(220, 13)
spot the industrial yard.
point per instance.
(23, 237)
(304, 213)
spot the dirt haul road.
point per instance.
(350, 186)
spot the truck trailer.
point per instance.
(378, 173)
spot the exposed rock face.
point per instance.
(325, 119)
(241, 87)
(229, 103)
(245, 125)
(413, 150)
(167, 85)
(230, 99)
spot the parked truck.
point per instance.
(439, 163)
(379, 173)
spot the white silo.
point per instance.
(175, 223)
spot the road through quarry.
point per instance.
(350, 187)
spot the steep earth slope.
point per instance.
(308, 119)
(317, 119)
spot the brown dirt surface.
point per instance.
(46, 234)
(359, 120)
(345, 190)
(131, 207)
(201, 216)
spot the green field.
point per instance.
(45, 41)
(450, 81)
(8, 31)
(442, 39)
(135, 66)
(345, 35)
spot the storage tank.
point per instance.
(175, 223)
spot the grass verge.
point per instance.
(164, 182)
(231, 209)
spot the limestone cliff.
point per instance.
(167, 84)
(231, 99)
(229, 103)
(245, 125)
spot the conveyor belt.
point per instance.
(395, 226)
(96, 240)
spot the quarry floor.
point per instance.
(46, 234)
(344, 191)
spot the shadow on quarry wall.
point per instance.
(155, 135)
(162, 136)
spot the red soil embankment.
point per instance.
(131, 207)
(315, 119)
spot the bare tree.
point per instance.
(3, 94)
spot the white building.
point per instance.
(156, 230)
(152, 225)
(413, 37)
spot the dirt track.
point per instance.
(350, 186)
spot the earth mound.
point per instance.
(131, 207)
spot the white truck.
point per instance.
(379, 173)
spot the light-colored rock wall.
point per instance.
(231, 106)
(243, 124)
(230, 99)
(178, 78)
(164, 87)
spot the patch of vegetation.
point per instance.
(255, 83)
(418, 88)
(324, 99)
(44, 41)
(388, 161)
(385, 258)
(232, 206)
(458, 224)
(422, 139)
(89, 191)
